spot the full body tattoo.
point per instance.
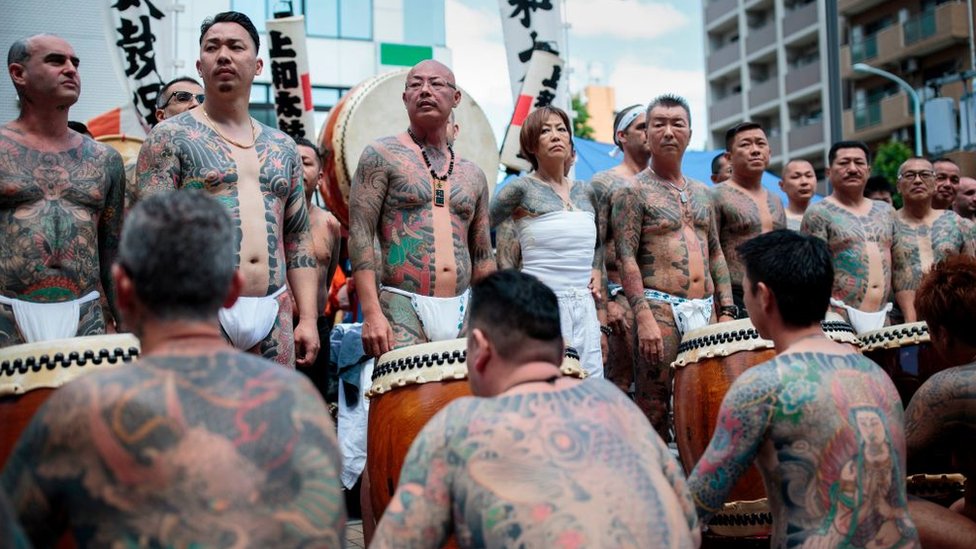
(392, 201)
(572, 468)
(741, 217)
(919, 245)
(262, 189)
(61, 217)
(670, 245)
(178, 451)
(861, 248)
(826, 433)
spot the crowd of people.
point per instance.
(210, 249)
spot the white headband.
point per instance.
(626, 120)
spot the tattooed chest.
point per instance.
(47, 187)
(664, 213)
(414, 200)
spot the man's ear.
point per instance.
(767, 299)
(485, 350)
(234, 290)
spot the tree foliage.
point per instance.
(581, 127)
(887, 160)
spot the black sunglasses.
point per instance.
(183, 97)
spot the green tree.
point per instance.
(581, 127)
(887, 160)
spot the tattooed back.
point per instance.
(219, 450)
(573, 467)
(826, 431)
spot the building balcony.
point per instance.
(810, 135)
(801, 19)
(801, 78)
(725, 108)
(723, 57)
(926, 33)
(854, 7)
(763, 92)
(878, 119)
(775, 145)
(760, 38)
(717, 9)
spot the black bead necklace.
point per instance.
(439, 196)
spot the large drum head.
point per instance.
(374, 109)
(127, 145)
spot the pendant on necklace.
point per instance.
(683, 196)
(439, 194)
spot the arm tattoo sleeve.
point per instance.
(482, 258)
(742, 422)
(505, 202)
(158, 167)
(365, 204)
(110, 230)
(297, 232)
(716, 260)
(626, 218)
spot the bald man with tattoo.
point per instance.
(194, 445)
(535, 459)
(428, 209)
(923, 236)
(859, 232)
(743, 208)
(822, 422)
(61, 199)
(940, 420)
(671, 263)
(630, 137)
(256, 172)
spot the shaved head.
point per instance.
(434, 66)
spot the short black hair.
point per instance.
(717, 162)
(669, 100)
(797, 268)
(305, 142)
(736, 130)
(232, 17)
(832, 154)
(877, 183)
(519, 315)
(161, 98)
(79, 127)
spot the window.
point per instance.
(423, 22)
(323, 18)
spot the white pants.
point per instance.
(581, 328)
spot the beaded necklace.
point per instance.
(439, 197)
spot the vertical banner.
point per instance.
(290, 76)
(136, 27)
(539, 88)
(529, 26)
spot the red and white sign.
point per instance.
(290, 76)
(539, 89)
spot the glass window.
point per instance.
(423, 22)
(356, 19)
(259, 93)
(322, 18)
(324, 97)
(257, 10)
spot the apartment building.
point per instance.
(764, 62)
(919, 41)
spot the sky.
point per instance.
(642, 48)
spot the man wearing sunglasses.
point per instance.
(177, 96)
(924, 236)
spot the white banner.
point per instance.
(140, 29)
(290, 76)
(527, 26)
(539, 89)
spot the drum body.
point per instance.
(709, 361)
(30, 372)
(906, 354)
(374, 109)
(410, 385)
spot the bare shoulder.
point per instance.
(471, 173)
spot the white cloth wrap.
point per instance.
(441, 317)
(250, 319)
(863, 321)
(689, 314)
(47, 321)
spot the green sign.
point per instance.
(404, 55)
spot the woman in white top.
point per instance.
(555, 220)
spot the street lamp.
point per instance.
(916, 103)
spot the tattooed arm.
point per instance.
(627, 217)
(906, 269)
(301, 266)
(742, 422)
(508, 251)
(506, 201)
(719, 268)
(942, 405)
(676, 477)
(109, 232)
(158, 168)
(419, 514)
(366, 197)
(814, 224)
(479, 235)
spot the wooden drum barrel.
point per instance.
(410, 385)
(30, 372)
(905, 353)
